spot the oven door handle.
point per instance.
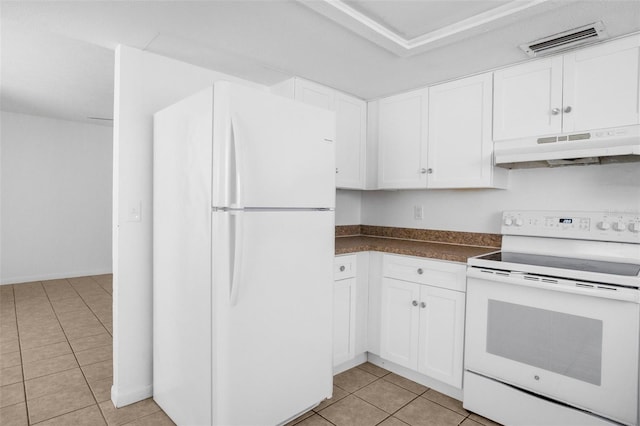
(556, 284)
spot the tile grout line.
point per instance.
(74, 354)
(24, 384)
(89, 306)
(466, 416)
(378, 378)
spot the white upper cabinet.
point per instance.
(351, 135)
(528, 99)
(402, 139)
(351, 126)
(460, 147)
(601, 86)
(314, 94)
(587, 89)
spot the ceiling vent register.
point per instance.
(566, 40)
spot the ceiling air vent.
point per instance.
(566, 40)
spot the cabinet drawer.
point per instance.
(441, 274)
(344, 267)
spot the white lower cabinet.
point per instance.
(349, 308)
(422, 317)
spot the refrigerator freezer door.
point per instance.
(272, 346)
(271, 151)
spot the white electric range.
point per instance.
(553, 321)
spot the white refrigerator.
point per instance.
(243, 228)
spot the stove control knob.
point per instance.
(508, 221)
(619, 226)
(604, 225)
(634, 227)
(519, 222)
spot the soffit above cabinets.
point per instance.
(408, 28)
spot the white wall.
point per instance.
(608, 187)
(348, 206)
(144, 84)
(55, 198)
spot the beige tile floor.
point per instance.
(56, 369)
(56, 356)
(368, 395)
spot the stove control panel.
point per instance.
(598, 226)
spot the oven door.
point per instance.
(556, 338)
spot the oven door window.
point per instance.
(570, 345)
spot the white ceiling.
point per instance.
(57, 57)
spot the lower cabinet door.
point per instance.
(441, 334)
(344, 308)
(399, 322)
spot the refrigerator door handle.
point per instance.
(236, 260)
(236, 165)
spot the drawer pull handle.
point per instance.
(420, 271)
(423, 305)
(414, 303)
(342, 268)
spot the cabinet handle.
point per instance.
(342, 268)
(555, 111)
(414, 303)
(423, 171)
(423, 305)
(336, 170)
(420, 271)
(429, 170)
(568, 109)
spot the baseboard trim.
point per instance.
(54, 276)
(122, 399)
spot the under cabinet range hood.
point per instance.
(603, 146)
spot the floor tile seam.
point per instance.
(85, 337)
(379, 377)
(444, 406)
(88, 326)
(319, 414)
(402, 387)
(96, 281)
(50, 374)
(400, 408)
(42, 346)
(156, 412)
(78, 363)
(375, 406)
(60, 415)
(67, 388)
(89, 306)
(24, 386)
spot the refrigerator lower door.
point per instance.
(272, 318)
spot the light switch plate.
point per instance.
(418, 212)
(134, 212)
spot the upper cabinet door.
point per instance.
(351, 139)
(402, 134)
(528, 99)
(460, 144)
(314, 94)
(351, 129)
(601, 86)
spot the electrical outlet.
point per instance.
(418, 212)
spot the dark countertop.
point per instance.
(428, 249)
